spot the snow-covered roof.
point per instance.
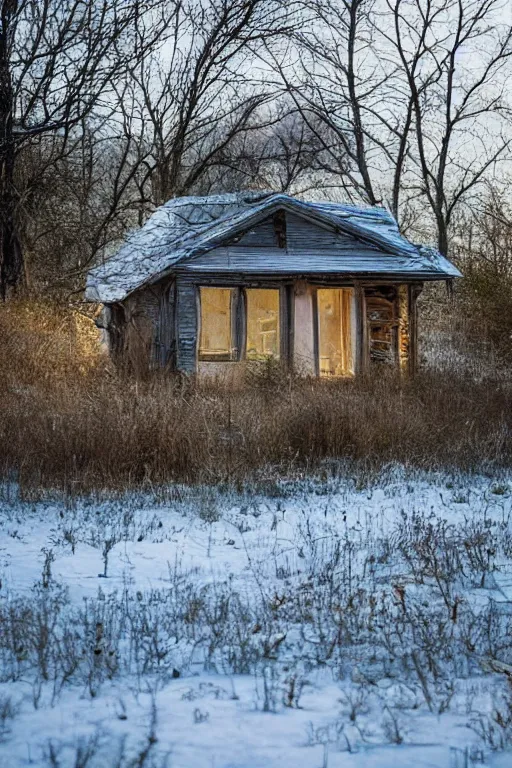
(188, 226)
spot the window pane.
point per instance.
(334, 331)
(262, 323)
(216, 336)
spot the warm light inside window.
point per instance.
(334, 331)
(263, 327)
(216, 324)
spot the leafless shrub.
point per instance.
(70, 537)
(495, 729)
(332, 734)
(431, 550)
(8, 711)
(96, 750)
(46, 577)
(208, 506)
(293, 686)
(392, 726)
(200, 717)
(85, 750)
(481, 541)
(354, 700)
(268, 686)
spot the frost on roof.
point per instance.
(149, 250)
(189, 225)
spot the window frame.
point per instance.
(233, 354)
(239, 320)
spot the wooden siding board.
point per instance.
(284, 325)
(382, 321)
(303, 235)
(361, 352)
(262, 235)
(240, 325)
(163, 355)
(316, 334)
(187, 325)
(277, 261)
(139, 329)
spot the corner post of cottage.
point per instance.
(408, 327)
(415, 290)
(361, 335)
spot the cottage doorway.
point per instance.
(335, 354)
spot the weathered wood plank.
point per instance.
(361, 351)
(187, 325)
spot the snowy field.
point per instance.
(324, 626)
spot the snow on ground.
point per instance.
(256, 618)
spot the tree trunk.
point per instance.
(11, 257)
(442, 234)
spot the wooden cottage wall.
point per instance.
(137, 319)
(142, 328)
(158, 326)
(304, 248)
(414, 290)
(161, 325)
(186, 325)
(164, 349)
(304, 359)
(263, 235)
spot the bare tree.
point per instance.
(279, 152)
(202, 91)
(415, 93)
(59, 59)
(327, 72)
(192, 115)
(457, 81)
(481, 241)
(76, 200)
(482, 231)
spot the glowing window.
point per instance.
(334, 331)
(216, 324)
(263, 326)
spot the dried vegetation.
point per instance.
(70, 421)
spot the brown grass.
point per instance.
(69, 421)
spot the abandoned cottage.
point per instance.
(210, 282)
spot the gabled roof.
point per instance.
(188, 226)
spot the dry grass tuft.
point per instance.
(68, 421)
(41, 342)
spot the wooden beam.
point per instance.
(361, 351)
(414, 291)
